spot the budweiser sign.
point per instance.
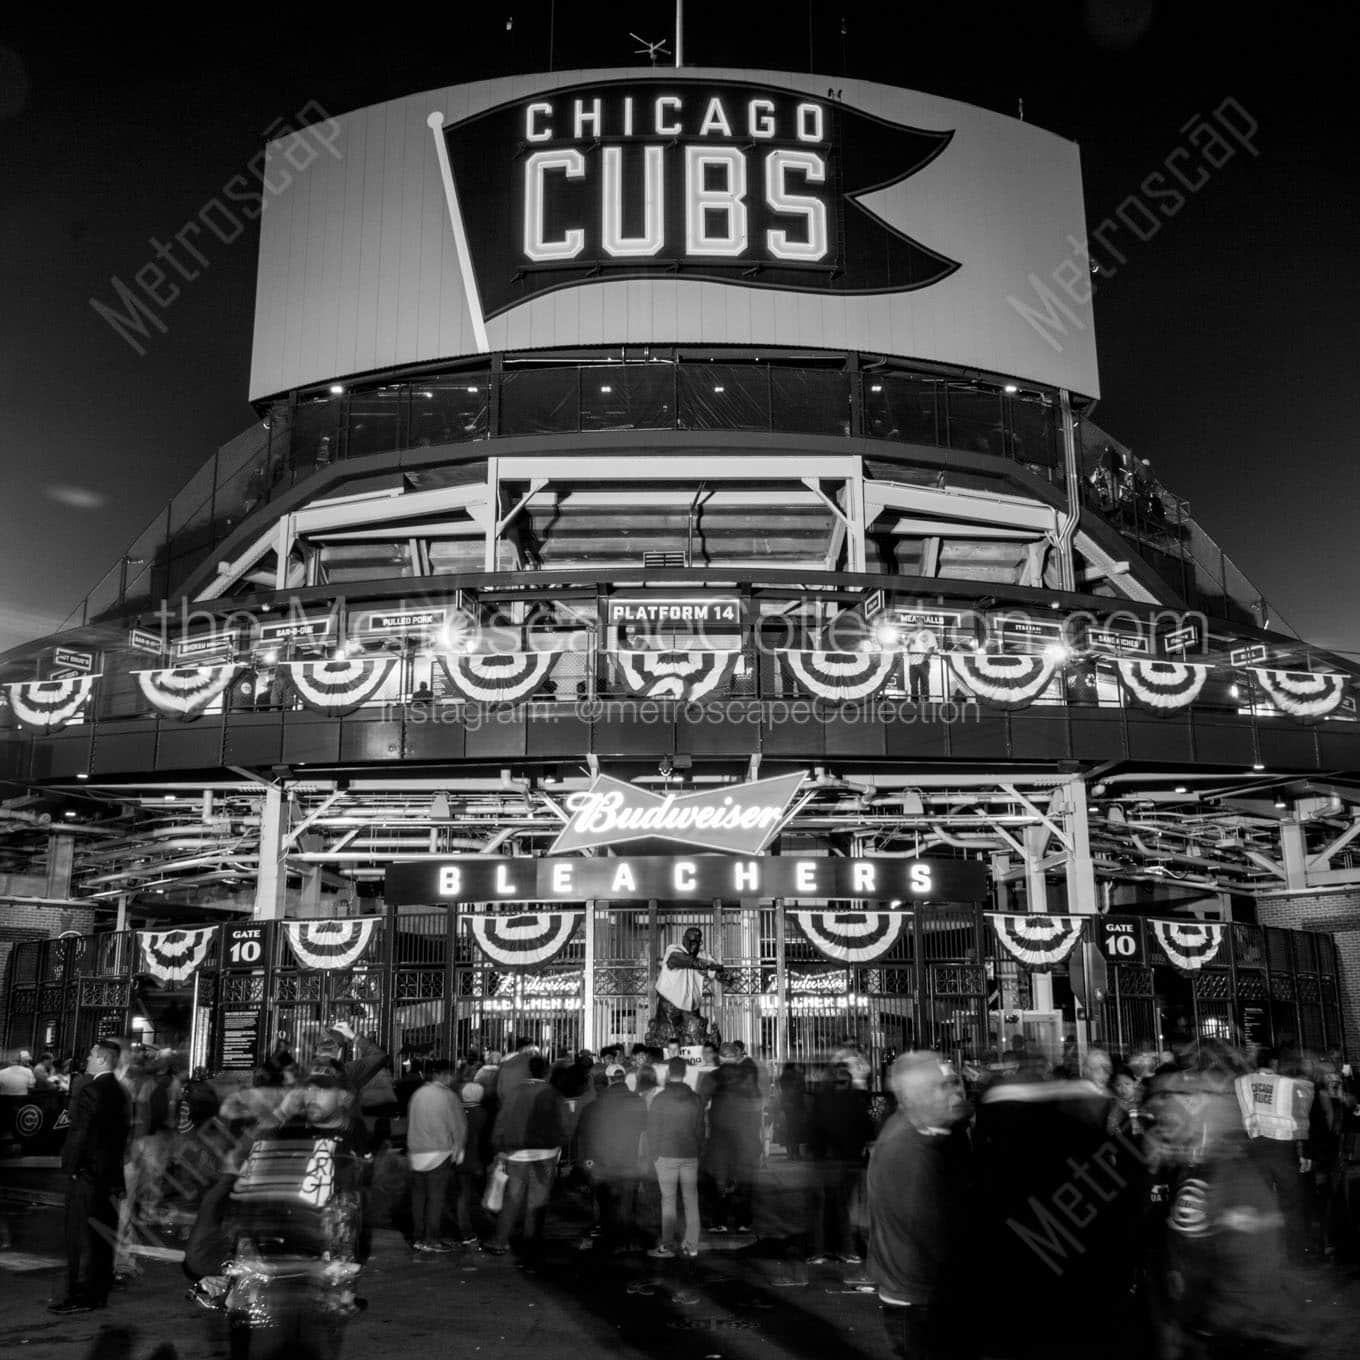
(741, 818)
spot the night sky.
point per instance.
(1227, 340)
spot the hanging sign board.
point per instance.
(1247, 656)
(656, 622)
(1182, 639)
(142, 640)
(207, 647)
(475, 878)
(67, 661)
(1116, 643)
(1121, 939)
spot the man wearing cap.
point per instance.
(610, 1135)
(436, 1133)
(470, 1174)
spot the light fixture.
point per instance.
(887, 634)
(605, 387)
(1010, 389)
(472, 391)
(1234, 692)
(875, 387)
(1055, 604)
(82, 775)
(720, 388)
(337, 389)
(169, 798)
(270, 657)
(1280, 802)
(1057, 652)
(1258, 765)
(70, 812)
(1180, 788)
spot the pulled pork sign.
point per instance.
(741, 818)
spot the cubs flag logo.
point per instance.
(716, 180)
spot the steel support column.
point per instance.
(271, 883)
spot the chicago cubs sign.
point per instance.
(664, 207)
(707, 179)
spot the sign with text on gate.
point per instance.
(742, 818)
(701, 878)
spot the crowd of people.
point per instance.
(1172, 1202)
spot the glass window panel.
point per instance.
(451, 411)
(316, 433)
(628, 397)
(192, 502)
(540, 401)
(1033, 432)
(975, 421)
(810, 400)
(899, 406)
(376, 416)
(724, 397)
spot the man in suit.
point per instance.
(92, 1159)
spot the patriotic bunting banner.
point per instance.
(185, 691)
(498, 677)
(174, 955)
(50, 703)
(1189, 945)
(1038, 940)
(1003, 680)
(339, 687)
(527, 941)
(676, 675)
(841, 677)
(1301, 694)
(1161, 685)
(852, 936)
(329, 944)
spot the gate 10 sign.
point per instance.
(245, 946)
(1121, 941)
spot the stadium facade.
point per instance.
(676, 500)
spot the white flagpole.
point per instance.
(474, 301)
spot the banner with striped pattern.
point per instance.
(852, 937)
(529, 940)
(1302, 694)
(337, 688)
(185, 691)
(497, 677)
(1162, 686)
(174, 955)
(1038, 939)
(50, 703)
(681, 676)
(1189, 944)
(840, 677)
(1002, 679)
(330, 945)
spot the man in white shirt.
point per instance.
(17, 1079)
(436, 1133)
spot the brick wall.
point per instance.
(21, 921)
(1337, 913)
